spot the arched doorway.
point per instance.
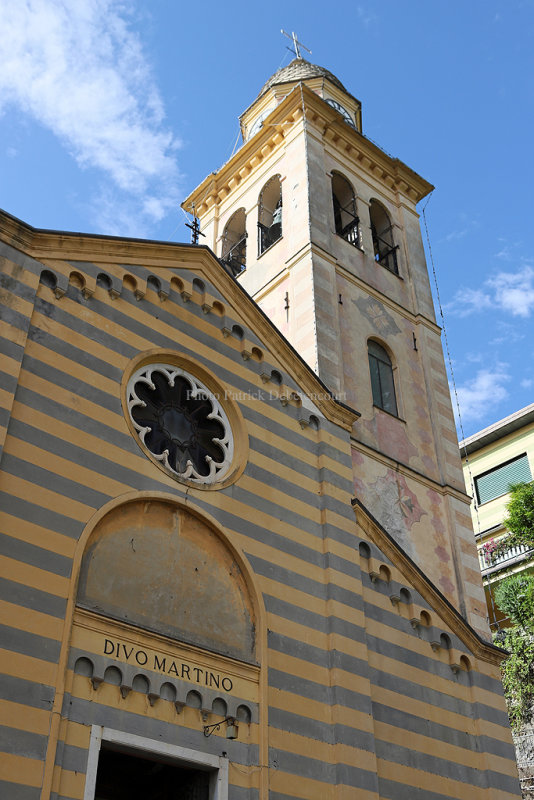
(162, 673)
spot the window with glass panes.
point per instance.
(382, 382)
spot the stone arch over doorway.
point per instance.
(154, 564)
(173, 654)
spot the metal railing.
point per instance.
(385, 253)
(350, 232)
(235, 258)
(268, 235)
(489, 561)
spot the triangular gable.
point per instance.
(399, 571)
(194, 277)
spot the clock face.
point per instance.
(258, 123)
(343, 111)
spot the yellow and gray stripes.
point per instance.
(356, 698)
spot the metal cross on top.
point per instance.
(195, 229)
(296, 44)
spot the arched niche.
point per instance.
(345, 214)
(153, 564)
(385, 249)
(234, 244)
(270, 214)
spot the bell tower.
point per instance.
(320, 227)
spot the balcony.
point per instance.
(490, 563)
(385, 252)
(350, 232)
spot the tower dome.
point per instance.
(299, 70)
(320, 80)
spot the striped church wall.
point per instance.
(344, 671)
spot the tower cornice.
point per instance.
(303, 103)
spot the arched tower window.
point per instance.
(345, 216)
(382, 383)
(270, 214)
(234, 244)
(385, 249)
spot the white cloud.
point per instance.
(506, 333)
(128, 216)
(480, 394)
(466, 301)
(455, 235)
(78, 69)
(475, 358)
(512, 292)
(465, 225)
(505, 253)
(526, 383)
(509, 249)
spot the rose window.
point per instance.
(180, 422)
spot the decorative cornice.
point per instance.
(43, 245)
(328, 123)
(485, 651)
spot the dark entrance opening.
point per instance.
(123, 776)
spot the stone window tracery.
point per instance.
(180, 422)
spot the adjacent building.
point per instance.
(494, 458)
(237, 557)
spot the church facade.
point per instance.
(235, 562)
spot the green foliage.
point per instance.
(518, 675)
(520, 518)
(515, 596)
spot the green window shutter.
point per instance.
(496, 482)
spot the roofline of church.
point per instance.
(345, 416)
(480, 647)
(98, 236)
(416, 187)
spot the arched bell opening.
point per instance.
(270, 214)
(347, 223)
(234, 242)
(385, 249)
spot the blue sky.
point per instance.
(111, 111)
